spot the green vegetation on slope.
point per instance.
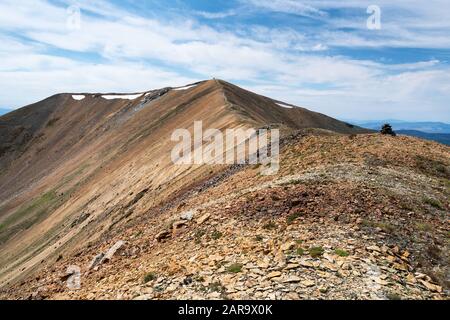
(28, 214)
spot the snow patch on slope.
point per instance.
(78, 97)
(284, 105)
(185, 88)
(123, 96)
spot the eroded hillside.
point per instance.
(347, 216)
(351, 217)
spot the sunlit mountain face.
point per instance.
(208, 150)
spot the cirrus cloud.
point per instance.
(118, 50)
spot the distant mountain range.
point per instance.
(435, 131)
(438, 137)
(424, 126)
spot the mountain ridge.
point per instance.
(59, 146)
(79, 176)
(438, 137)
(424, 126)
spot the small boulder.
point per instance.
(179, 224)
(274, 274)
(288, 246)
(374, 248)
(163, 235)
(96, 260)
(308, 283)
(188, 215)
(430, 286)
(112, 251)
(203, 218)
(292, 279)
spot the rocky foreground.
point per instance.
(347, 217)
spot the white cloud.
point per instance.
(408, 24)
(289, 6)
(415, 95)
(216, 15)
(30, 15)
(139, 53)
(19, 88)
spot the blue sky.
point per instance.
(317, 54)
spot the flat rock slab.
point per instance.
(105, 257)
(112, 251)
(96, 260)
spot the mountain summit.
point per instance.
(86, 180)
(44, 136)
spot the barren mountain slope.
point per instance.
(74, 168)
(94, 160)
(346, 217)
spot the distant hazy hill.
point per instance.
(427, 127)
(439, 137)
(4, 111)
